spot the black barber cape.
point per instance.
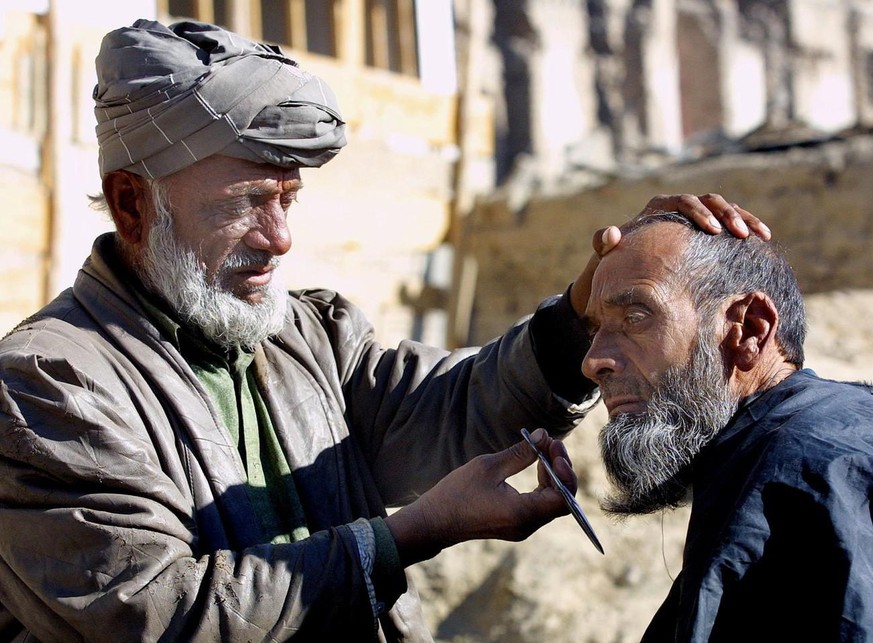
(780, 540)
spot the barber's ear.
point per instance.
(751, 323)
(126, 195)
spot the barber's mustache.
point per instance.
(249, 259)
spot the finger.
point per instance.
(581, 289)
(659, 203)
(510, 461)
(754, 223)
(558, 449)
(556, 453)
(700, 210)
(541, 438)
(564, 470)
(605, 239)
(725, 214)
(609, 239)
(561, 463)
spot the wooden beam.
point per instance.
(336, 9)
(297, 24)
(204, 11)
(256, 30)
(377, 20)
(240, 16)
(350, 29)
(406, 37)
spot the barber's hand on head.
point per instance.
(603, 241)
(708, 211)
(475, 501)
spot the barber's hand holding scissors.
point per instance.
(475, 501)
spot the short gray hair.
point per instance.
(718, 266)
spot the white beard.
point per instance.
(176, 273)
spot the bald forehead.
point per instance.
(653, 250)
(644, 265)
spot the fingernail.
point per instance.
(713, 221)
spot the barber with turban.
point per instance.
(188, 452)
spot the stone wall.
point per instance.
(602, 84)
(818, 201)
(25, 219)
(25, 224)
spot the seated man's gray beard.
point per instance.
(647, 455)
(176, 274)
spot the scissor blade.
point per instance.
(582, 519)
(569, 500)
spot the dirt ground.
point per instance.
(555, 586)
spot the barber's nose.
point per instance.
(602, 358)
(270, 233)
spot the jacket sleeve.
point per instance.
(99, 530)
(419, 412)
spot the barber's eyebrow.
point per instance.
(265, 188)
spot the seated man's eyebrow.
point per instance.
(624, 298)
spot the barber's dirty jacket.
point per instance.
(780, 540)
(123, 510)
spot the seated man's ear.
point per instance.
(751, 321)
(127, 197)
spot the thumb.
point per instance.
(605, 240)
(513, 460)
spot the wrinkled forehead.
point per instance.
(219, 171)
(647, 258)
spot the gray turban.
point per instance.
(169, 96)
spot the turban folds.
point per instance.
(167, 97)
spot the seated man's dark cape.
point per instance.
(780, 542)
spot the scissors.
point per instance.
(569, 500)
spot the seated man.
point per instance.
(187, 451)
(697, 347)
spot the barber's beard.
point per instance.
(648, 455)
(176, 274)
